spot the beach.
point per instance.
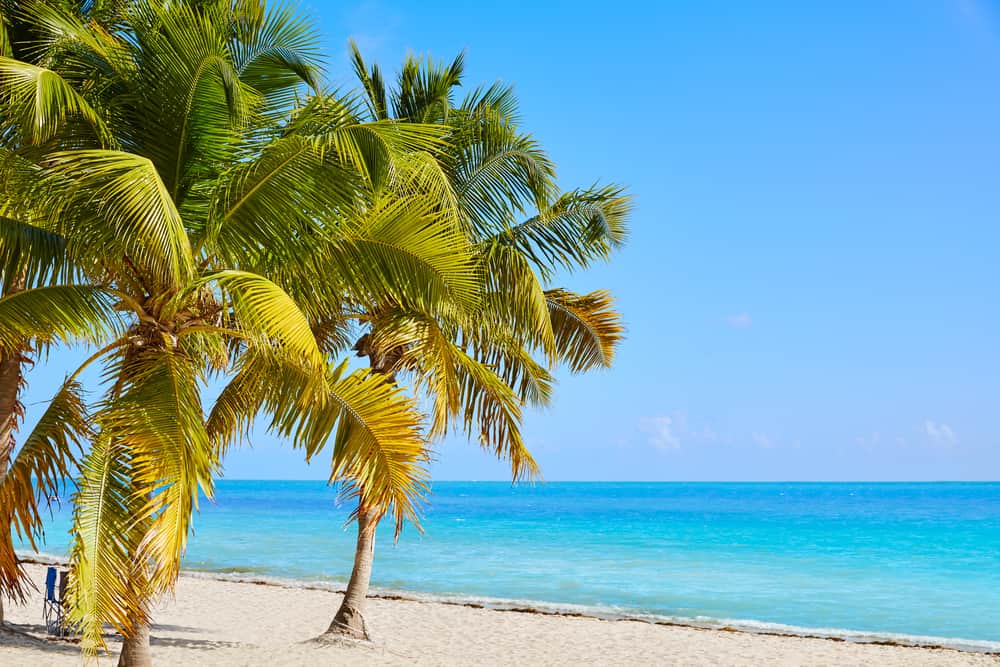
(216, 622)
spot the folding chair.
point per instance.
(52, 608)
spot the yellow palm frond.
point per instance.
(39, 470)
(587, 328)
(106, 536)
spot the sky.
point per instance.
(812, 284)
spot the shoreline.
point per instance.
(569, 610)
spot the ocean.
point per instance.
(894, 561)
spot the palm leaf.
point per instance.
(580, 227)
(379, 449)
(39, 470)
(66, 312)
(31, 255)
(120, 208)
(37, 102)
(266, 313)
(158, 419)
(587, 328)
(407, 251)
(105, 539)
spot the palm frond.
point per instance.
(379, 450)
(66, 312)
(406, 251)
(586, 326)
(266, 314)
(158, 419)
(39, 471)
(106, 536)
(37, 103)
(275, 49)
(580, 227)
(121, 209)
(31, 255)
(373, 83)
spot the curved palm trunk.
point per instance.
(349, 620)
(135, 648)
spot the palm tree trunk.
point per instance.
(135, 647)
(350, 620)
(10, 382)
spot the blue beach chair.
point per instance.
(52, 608)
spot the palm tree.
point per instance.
(184, 175)
(33, 266)
(476, 367)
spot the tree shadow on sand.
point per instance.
(23, 636)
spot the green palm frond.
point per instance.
(37, 103)
(466, 390)
(276, 201)
(65, 312)
(498, 171)
(103, 587)
(39, 470)
(406, 251)
(587, 328)
(122, 211)
(30, 255)
(267, 315)
(578, 228)
(379, 450)
(6, 49)
(193, 105)
(158, 419)
(370, 148)
(425, 88)
(516, 299)
(497, 100)
(372, 82)
(275, 49)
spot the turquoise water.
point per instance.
(888, 559)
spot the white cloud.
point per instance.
(940, 432)
(661, 432)
(763, 441)
(740, 321)
(869, 441)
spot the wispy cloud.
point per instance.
(740, 321)
(869, 441)
(940, 432)
(763, 440)
(661, 432)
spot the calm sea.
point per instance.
(920, 560)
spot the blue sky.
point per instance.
(812, 286)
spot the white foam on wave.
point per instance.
(603, 612)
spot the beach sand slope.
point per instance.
(212, 622)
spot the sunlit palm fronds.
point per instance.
(65, 312)
(586, 327)
(39, 471)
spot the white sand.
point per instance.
(225, 623)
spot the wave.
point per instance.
(249, 575)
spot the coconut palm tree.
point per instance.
(185, 177)
(477, 368)
(32, 260)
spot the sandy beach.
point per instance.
(214, 622)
